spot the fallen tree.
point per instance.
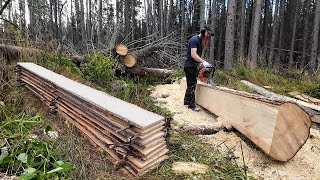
(311, 109)
(277, 127)
(13, 53)
(143, 71)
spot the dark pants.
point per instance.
(191, 75)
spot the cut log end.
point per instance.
(291, 132)
(130, 60)
(121, 49)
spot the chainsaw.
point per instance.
(206, 73)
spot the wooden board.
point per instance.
(142, 146)
(124, 110)
(279, 129)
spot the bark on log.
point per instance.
(137, 57)
(312, 109)
(278, 128)
(143, 71)
(202, 130)
(13, 53)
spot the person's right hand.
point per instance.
(205, 63)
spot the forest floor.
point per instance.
(305, 164)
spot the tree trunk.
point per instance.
(315, 37)
(280, 53)
(266, 29)
(255, 34)
(100, 24)
(182, 23)
(170, 16)
(242, 31)
(229, 45)
(202, 13)
(274, 33)
(305, 35)
(222, 29)
(294, 29)
(213, 26)
(146, 11)
(161, 18)
(89, 23)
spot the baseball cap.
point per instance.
(206, 28)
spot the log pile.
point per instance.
(132, 136)
(279, 128)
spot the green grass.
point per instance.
(21, 153)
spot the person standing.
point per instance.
(196, 45)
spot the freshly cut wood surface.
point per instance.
(280, 129)
(126, 111)
(121, 49)
(130, 60)
(189, 167)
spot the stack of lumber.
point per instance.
(132, 136)
(277, 127)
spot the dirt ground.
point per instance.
(305, 165)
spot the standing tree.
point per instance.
(294, 30)
(315, 37)
(254, 34)
(229, 45)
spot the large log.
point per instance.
(137, 57)
(310, 108)
(278, 128)
(143, 71)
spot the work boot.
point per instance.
(195, 108)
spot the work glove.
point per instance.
(205, 64)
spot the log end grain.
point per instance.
(121, 49)
(130, 60)
(291, 132)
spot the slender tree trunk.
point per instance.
(170, 16)
(266, 29)
(222, 29)
(279, 57)
(89, 23)
(100, 23)
(255, 34)
(146, 11)
(242, 30)
(213, 26)
(56, 28)
(274, 33)
(82, 24)
(202, 13)
(182, 23)
(305, 35)
(161, 18)
(229, 45)
(315, 37)
(294, 29)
